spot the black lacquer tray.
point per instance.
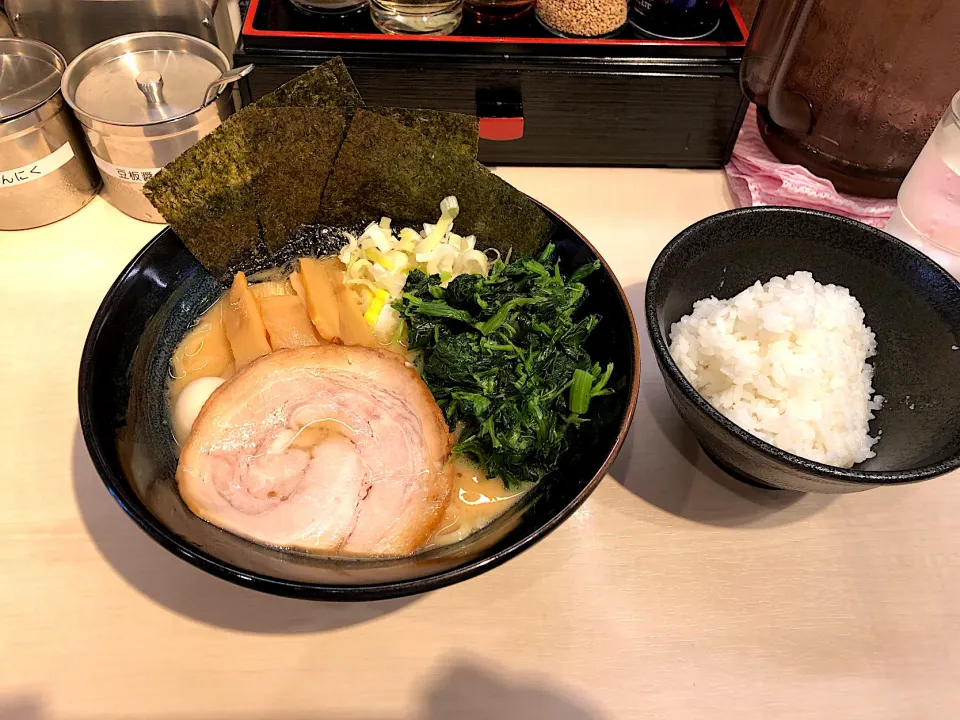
(542, 99)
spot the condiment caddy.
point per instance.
(669, 19)
(546, 95)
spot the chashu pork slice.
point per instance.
(324, 448)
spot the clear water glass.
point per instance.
(416, 17)
(928, 205)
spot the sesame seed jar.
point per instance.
(582, 18)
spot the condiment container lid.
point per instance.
(30, 73)
(142, 79)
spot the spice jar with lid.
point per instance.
(46, 172)
(582, 18)
(142, 101)
(493, 12)
(676, 19)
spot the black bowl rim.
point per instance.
(673, 374)
(310, 591)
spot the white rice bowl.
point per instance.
(787, 362)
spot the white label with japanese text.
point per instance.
(137, 175)
(36, 170)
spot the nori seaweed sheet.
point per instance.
(326, 86)
(224, 232)
(207, 196)
(247, 196)
(295, 151)
(217, 162)
(237, 195)
(387, 169)
(460, 133)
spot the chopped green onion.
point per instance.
(580, 391)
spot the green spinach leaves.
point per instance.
(504, 357)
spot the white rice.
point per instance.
(786, 361)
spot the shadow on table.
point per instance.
(465, 690)
(189, 591)
(662, 463)
(20, 707)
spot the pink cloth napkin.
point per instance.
(758, 178)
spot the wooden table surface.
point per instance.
(674, 592)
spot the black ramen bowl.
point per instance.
(911, 304)
(123, 413)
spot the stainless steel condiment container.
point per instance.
(46, 172)
(140, 98)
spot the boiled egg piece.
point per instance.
(189, 404)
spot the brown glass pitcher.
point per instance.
(851, 89)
